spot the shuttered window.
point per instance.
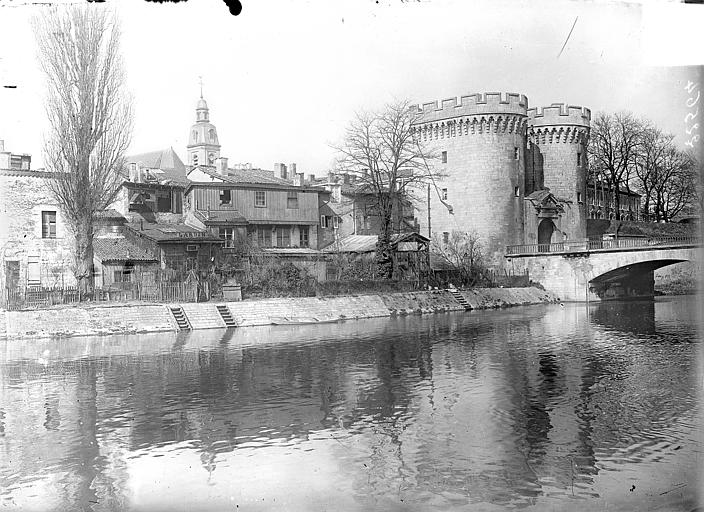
(48, 224)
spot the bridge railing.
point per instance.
(601, 245)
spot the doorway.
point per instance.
(545, 231)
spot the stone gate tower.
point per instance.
(510, 174)
(557, 162)
(482, 142)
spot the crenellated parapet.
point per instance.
(480, 104)
(559, 123)
(560, 114)
(471, 125)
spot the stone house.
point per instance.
(35, 241)
(602, 205)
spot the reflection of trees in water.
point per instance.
(405, 393)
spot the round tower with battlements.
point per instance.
(557, 160)
(481, 142)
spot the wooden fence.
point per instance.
(33, 297)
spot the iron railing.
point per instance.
(602, 245)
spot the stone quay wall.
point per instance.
(92, 320)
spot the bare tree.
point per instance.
(648, 161)
(386, 156)
(675, 186)
(613, 145)
(90, 118)
(462, 254)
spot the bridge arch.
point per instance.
(597, 274)
(630, 280)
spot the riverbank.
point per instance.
(101, 319)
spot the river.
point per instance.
(535, 408)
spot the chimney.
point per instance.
(331, 177)
(221, 165)
(280, 171)
(135, 172)
(346, 178)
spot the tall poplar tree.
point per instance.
(90, 118)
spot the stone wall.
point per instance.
(139, 318)
(484, 179)
(24, 195)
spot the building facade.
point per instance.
(601, 202)
(36, 243)
(511, 174)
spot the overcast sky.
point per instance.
(283, 78)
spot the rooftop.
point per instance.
(367, 243)
(161, 232)
(119, 250)
(165, 160)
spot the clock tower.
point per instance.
(203, 146)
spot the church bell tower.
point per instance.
(203, 146)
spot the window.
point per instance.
(48, 224)
(195, 136)
(579, 158)
(579, 197)
(336, 222)
(228, 235)
(303, 236)
(517, 191)
(283, 236)
(292, 199)
(323, 221)
(444, 157)
(444, 194)
(225, 197)
(515, 153)
(264, 236)
(445, 237)
(211, 133)
(259, 198)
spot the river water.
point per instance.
(551, 407)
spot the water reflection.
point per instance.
(538, 407)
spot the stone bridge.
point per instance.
(600, 270)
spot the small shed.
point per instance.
(410, 253)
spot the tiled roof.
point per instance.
(367, 243)
(165, 160)
(119, 249)
(253, 176)
(292, 251)
(221, 217)
(161, 232)
(109, 214)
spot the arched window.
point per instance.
(211, 133)
(195, 136)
